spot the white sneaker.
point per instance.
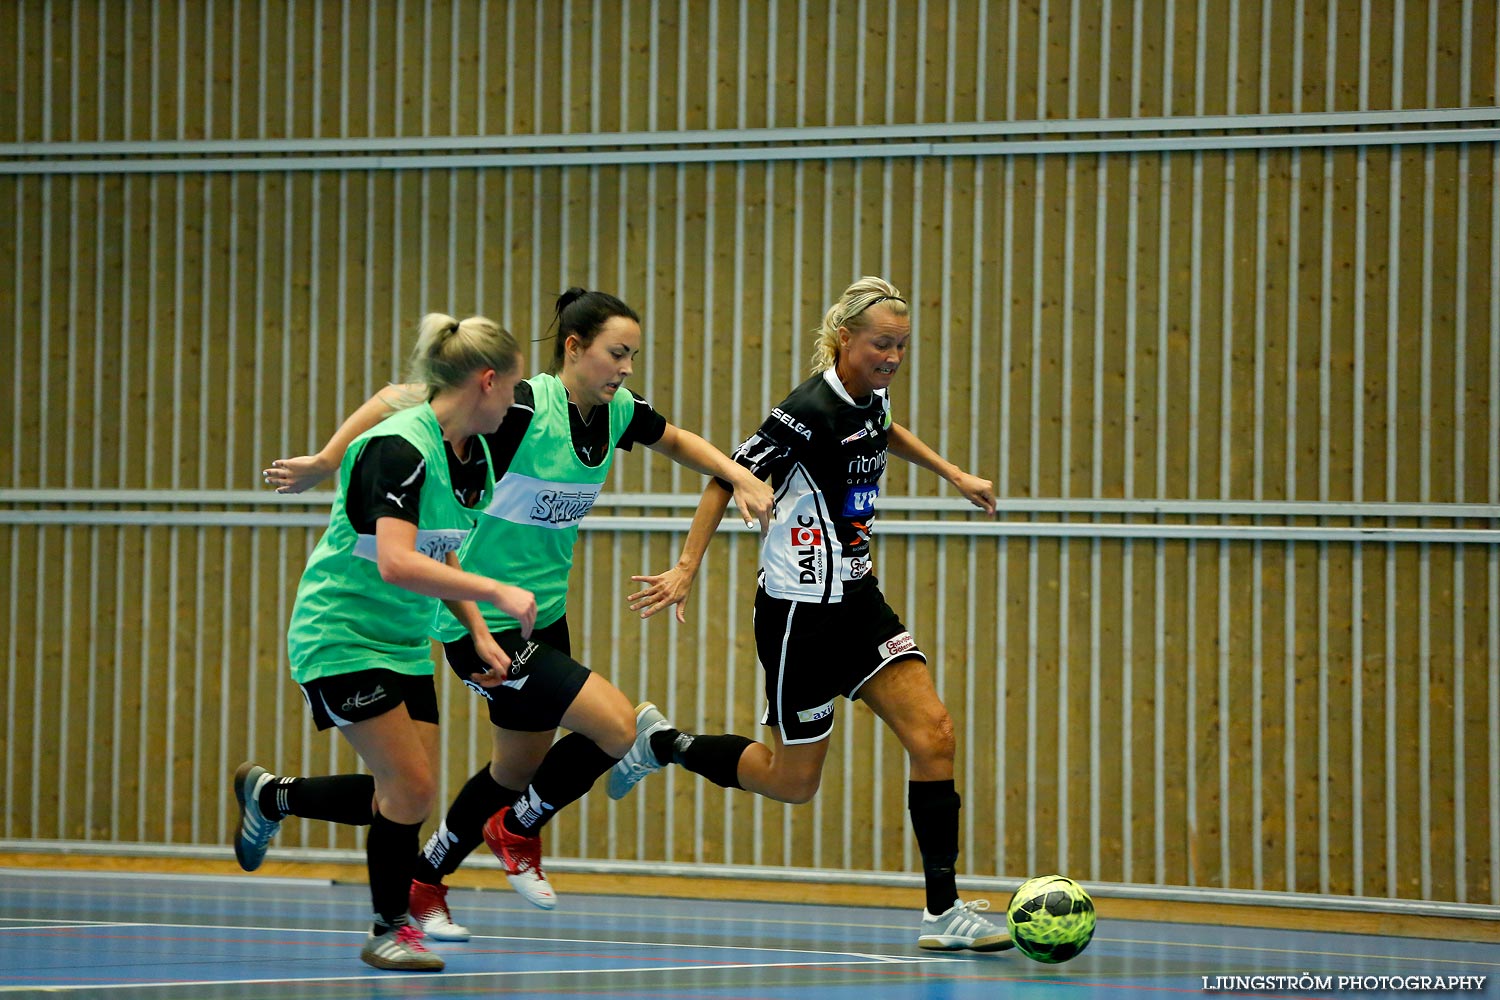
(400, 949)
(256, 831)
(641, 760)
(429, 908)
(961, 926)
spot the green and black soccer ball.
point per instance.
(1051, 918)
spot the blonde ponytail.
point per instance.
(448, 351)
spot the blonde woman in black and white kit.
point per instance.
(822, 628)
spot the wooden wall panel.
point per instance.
(481, 67)
(1475, 871)
(1305, 324)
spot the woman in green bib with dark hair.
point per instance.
(358, 636)
(550, 458)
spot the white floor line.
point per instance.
(53, 873)
(458, 891)
(535, 939)
(426, 976)
(62, 925)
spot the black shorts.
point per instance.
(812, 653)
(340, 699)
(543, 680)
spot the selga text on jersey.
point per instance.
(824, 453)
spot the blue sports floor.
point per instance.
(132, 936)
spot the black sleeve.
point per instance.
(770, 451)
(646, 426)
(506, 441)
(386, 481)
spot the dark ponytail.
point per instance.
(582, 314)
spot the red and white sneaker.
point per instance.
(522, 858)
(429, 908)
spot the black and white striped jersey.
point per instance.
(824, 453)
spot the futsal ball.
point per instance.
(1051, 918)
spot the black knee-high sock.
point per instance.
(717, 758)
(336, 798)
(934, 809)
(390, 855)
(462, 829)
(568, 771)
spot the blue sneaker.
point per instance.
(640, 761)
(255, 831)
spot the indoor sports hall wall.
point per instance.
(1211, 291)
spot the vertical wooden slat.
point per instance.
(99, 723)
(1491, 245)
(13, 77)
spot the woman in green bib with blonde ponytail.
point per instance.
(550, 459)
(358, 636)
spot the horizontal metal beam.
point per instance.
(687, 501)
(90, 498)
(962, 529)
(741, 136)
(759, 154)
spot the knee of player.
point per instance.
(934, 739)
(943, 733)
(801, 788)
(410, 799)
(618, 736)
(508, 773)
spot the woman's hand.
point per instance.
(755, 499)
(662, 591)
(979, 492)
(518, 603)
(498, 669)
(293, 475)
